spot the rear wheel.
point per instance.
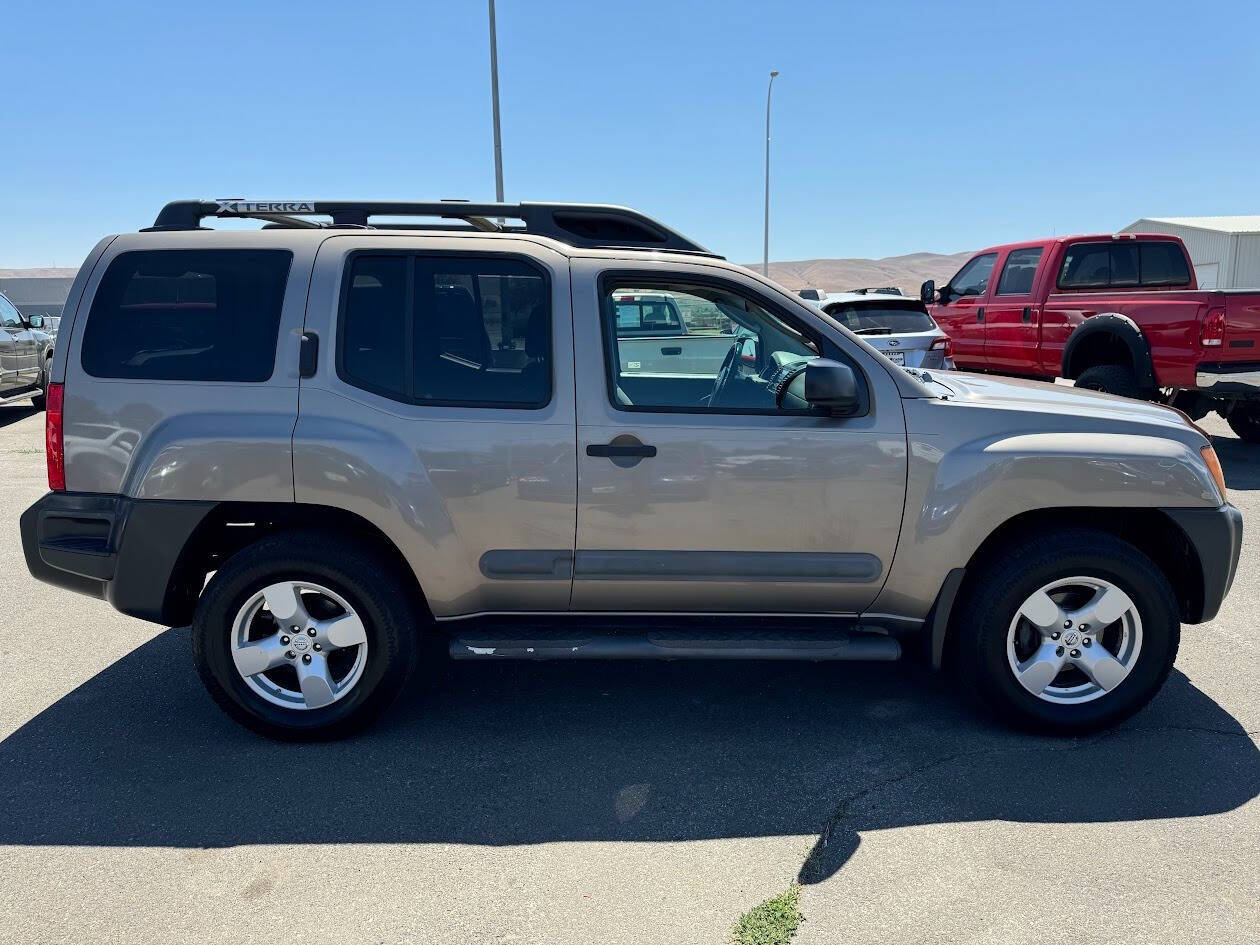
(1115, 379)
(1244, 420)
(297, 637)
(40, 400)
(1069, 633)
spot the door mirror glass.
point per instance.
(927, 292)
(35, 321)
(831, 386)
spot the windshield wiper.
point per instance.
(873, 331)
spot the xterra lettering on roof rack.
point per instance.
(585, 225)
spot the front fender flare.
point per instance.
(1123, 328)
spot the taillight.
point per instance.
(945, 344)
(1212, 334)
(54, 445)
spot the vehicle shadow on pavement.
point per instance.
(524, 753)
(1239, 461)
(13, 414)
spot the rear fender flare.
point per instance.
(1121, 327)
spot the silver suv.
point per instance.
(326, 439)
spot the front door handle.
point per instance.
(621, 450)
(980, 314)
(1027, 314)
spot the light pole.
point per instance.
(765, 259)
(494, 100)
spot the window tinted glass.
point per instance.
(726, 362)
(9, 316)
(883, 319)
(973, 278)
(464, 332)
(1086, 264)
(1163, 264)
(1019, 271)
(373, 345)
(187, 315)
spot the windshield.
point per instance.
(881, 319)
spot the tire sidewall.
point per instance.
(1160, 636)
(213, 627)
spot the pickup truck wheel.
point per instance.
(298, 637)
(1110, 379)
(1068, 633)
(1244, 420)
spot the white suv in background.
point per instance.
(900, 328)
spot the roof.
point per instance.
(1235, 224)
(849, 297)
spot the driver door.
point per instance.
(695, 492)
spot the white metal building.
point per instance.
(1225, 250)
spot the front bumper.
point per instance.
(1216, 535)
(1238, 377)
(125, 551)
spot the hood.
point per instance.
(1039, 396)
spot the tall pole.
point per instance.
(494, 97)
(765, 259)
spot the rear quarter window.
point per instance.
(1123, 264)
(187, 315)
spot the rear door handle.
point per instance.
(621, 450)
(1027, 314)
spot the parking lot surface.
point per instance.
(611, 803)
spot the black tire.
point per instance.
(1111, 379)
(40, 400)
(369, 582)
(978, 655)
(1244, 420)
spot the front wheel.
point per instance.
(1244, 420)
(1067, 634)
(301, 637)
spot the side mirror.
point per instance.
(927, 292)
(35, 321)
(831, 386)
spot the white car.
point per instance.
(900, 328)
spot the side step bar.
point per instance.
(674, 645)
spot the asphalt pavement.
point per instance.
(617, 803)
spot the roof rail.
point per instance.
(586, 225)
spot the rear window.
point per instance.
(187, 315)
(885, 319)
(637, 314)
(1123, 264)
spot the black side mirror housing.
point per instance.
(927, 292)
(832, 386)
(35, 321)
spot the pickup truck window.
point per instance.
(724, 368)
(973, 278)
(647, 314)
(446, 331)
(9, 316)
(1019, 270)
(1123, 264)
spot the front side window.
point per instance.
(454, 331)
(1019, 271)
(973, 278)
(187, 315)
(655, 314)
(727, 361)
(9, 316)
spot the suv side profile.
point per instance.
(324, 439)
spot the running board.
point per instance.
(26, 393)
(673, 645)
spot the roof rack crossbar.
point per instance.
(585, 225)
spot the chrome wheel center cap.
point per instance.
(1071, 638)
(301, 643)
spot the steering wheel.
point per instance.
(724, 373)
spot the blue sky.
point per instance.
(898, 126)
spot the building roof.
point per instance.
(1238, 224)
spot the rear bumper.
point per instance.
(1216, 535)
(1240, 377)
(124, 551)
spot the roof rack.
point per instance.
(586, 225)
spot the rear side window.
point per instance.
(447, 331)
(1018, 272)
(187, 315)
(1123, 264)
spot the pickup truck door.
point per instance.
(19, 356)
(687, 505)
(1012, 318)
(962, 311)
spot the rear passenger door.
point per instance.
(1012, 319)
(441, 410)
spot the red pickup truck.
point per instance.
(1116, 313)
